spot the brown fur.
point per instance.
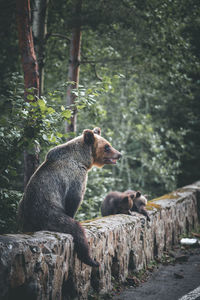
(117, 203)
(102, 157)
(139, 203)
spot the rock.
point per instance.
(178, 275)
(181, 258)
(172, 253)
(133, 281)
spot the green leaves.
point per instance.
(45, 110)
(9, 200)
(66, 114)
(30, 97)
(26, 125)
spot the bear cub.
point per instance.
(117, 203)
(56, 189)
(124, 203)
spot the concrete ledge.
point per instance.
(42, 265)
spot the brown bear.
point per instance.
(56, 189)
(124, 203)
(117, 203)
(139, 203)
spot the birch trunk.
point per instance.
(74, 69)
(39, 33)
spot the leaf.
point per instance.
(52, 138)
(50, 110)
(42, 105)
(58, 134)
(34, 104)
(66, 114)
(30, 97)
(81, 106)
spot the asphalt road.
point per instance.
(169, 282)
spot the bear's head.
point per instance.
(139, 202)
(102, 151)
(126, 203)
(141, 199)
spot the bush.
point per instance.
(9, 200)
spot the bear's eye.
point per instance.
(106, 148)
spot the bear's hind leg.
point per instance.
(61, 222)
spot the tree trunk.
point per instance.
(74, 68)
(30, 68)
(39, 33)
(29, 63)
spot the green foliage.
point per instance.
(9, 200)
(25, 125)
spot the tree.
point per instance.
(74, 67)
(40, 10)
(31, 76)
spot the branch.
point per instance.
(58, 35)
(95, 72)
(104, 60)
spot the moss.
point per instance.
(92, 226)
(87, 224)
(91, 220)
(54, 234)
(150, 206)
(57, 236)
(27, 233)
(185, 190)
(170, 196)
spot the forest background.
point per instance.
(138, 78)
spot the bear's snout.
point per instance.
(112, 157)
(116, 154)
(119, 155)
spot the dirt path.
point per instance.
(169, 282)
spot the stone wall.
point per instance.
(42, 265)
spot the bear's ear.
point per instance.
(133, 196)
(88, 136)
(138, 194)
(97, 130)
(125, 199)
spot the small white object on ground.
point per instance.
(187, 241)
